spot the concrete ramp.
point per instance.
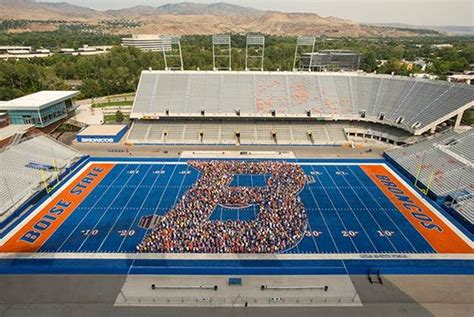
(238, 291)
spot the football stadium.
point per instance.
(239, 217)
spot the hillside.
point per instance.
(220, 8)
(32, 10)
(192, 18)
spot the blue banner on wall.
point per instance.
(38, 166)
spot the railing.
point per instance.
(241, 301)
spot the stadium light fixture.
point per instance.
(174, 53)
(254, 52)
(221, 52)
(304, 44)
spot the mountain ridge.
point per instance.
(186, 18)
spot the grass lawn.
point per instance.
(112, 104)
(110, 118)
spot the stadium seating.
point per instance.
(445, 161)
(401, 101)
(251, 132)
(18, 181)
(233, 132)
(465, 207)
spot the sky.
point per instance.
(416, 12)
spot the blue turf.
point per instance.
(250, 180)
(225, 213)
(346, 211)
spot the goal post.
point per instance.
(424, 188)
(56, 174)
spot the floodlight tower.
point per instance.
(221, 52)
(254, 52)
(303, 43)
(171, 48)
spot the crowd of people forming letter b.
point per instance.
(279, 225)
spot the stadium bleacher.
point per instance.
(19, 165)
(445, 164)
(252, 132)
(413, 105)
(465, 208)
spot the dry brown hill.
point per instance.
(191, 18)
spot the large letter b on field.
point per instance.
(279, 224)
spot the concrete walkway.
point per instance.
(88, 115)
(92, 295)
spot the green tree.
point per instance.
(369, 62)
(119, 116)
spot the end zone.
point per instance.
(32, 234)
(436, 231)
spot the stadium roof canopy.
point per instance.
(415, 105)
(39, 100)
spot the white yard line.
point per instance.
(139, 210)
(123, 209)
(352, 211)
(227, 256)
(312, 236)
(107, 208)
(337, 213)
(367, 210)
(322, 216)
(161, 198)
(91, 208)
(384, 210)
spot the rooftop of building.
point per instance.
(38, 100)
(461, 76)
(102, 130)
(145, 37)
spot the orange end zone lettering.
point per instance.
(31, 236)
(440, 236)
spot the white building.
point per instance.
(87, 50)
(20, 52)
(441, 46)
(148, 42)
(461, 78)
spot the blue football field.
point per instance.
(347, 212)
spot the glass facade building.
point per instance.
(40, 109)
